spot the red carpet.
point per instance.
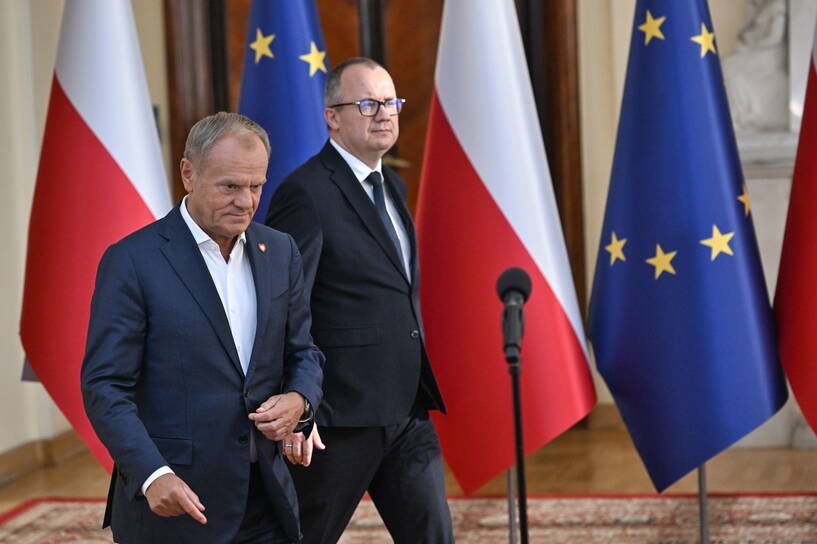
(745, 519)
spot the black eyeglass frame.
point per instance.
(380, 103)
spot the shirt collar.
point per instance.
(359, 168)
(198, 234)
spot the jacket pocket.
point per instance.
(177, 451)
(352, 336)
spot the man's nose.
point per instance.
(382, 114)
(243, 198)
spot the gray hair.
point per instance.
(206, 132)
(331, 93)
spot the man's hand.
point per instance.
(278, 415)
(299, 451)
(168, 496)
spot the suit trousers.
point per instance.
(399, 465)
(259, 525)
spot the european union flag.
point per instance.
(680, 319)
(285, 68)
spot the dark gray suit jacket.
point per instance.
(365, 313)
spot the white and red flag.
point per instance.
(100, 177)
(797, 279)
(486, 203)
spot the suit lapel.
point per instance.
(259, 262)
(342, 176)
(185, 258)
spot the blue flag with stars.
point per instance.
(285, 67)
(680, 319)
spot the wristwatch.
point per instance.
(306, 417)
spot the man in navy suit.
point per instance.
(347, 212)
(199, 357)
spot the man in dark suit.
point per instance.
(347, 212)
(199, 357)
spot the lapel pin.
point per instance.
(262, 247)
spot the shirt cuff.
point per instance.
(156, 473)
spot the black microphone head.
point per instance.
(513, 279)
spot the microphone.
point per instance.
(513, 288)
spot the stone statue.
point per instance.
(755, 73)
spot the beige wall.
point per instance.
(25, 412)
(29, 32)
(604, 42)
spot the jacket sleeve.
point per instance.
(112, 366)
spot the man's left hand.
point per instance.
(299, 451)
(278, 415)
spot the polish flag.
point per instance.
(100, 177)
(486, 203)
(797, 280)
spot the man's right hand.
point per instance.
(169, 496)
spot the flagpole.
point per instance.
(702, 505)
(513, 535)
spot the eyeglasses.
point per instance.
(369, 107)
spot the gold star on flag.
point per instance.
(616, 249)
(652, 28)
(261, 45)
(719, 242)
(315, 59)
(706, 40)
(661, 261)
(747, 204)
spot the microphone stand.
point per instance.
(514, 359)
(513, 288)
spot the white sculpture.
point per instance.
(755, 73)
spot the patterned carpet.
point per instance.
(767, 519)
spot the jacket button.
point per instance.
(415, 333)
(243, 439)
(246, 392)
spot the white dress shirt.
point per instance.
(361, 172)
(236, 289)
(234, 283)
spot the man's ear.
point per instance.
(187, 171)
(330, 115)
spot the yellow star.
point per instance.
(661, 261)
(747, 204)
(261, 45)
(315, 59)
(719, 242)
(706, 39)
(652, 28)
(615, 247)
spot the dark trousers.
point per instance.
(399, 465)
(259, 525)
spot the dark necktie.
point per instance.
(380, 203)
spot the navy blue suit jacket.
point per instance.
(162, 382)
